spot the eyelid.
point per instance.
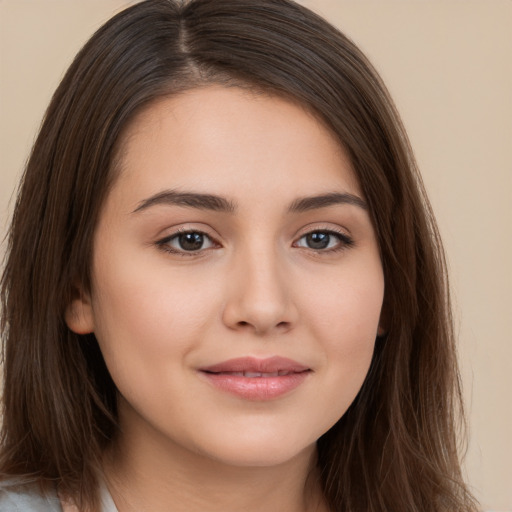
(163, 243)
(345, 239)
(325, 227)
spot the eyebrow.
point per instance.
(220, 204)
(188, 199)
(325, 200)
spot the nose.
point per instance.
(259, 298)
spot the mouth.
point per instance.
(252, 375)
(254, 367)
(256, 379)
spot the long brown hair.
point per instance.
(396, 447)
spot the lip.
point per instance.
(256, 379)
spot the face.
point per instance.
(237, 284)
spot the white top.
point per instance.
(107, 503)
(15, 497)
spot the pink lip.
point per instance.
(256, 379)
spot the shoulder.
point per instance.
(16, 497)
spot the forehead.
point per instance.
(223, 139)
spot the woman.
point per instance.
(225, 288)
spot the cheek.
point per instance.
(345, 320)
(144, 312)
(347, 305)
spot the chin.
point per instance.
(258, 450)
(264, 456)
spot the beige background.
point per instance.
(448, 64)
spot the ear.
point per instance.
(383, 327)
(79, 315)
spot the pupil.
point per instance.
(318, 240)
(191, 241)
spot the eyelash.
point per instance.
(344, 242)
(164, 243)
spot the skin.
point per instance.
(256, 287)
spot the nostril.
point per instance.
(280, 325)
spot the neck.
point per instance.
(151, 473)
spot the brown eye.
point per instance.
(318, 240)
(190, 241)
(324, 240)
(186, 241)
